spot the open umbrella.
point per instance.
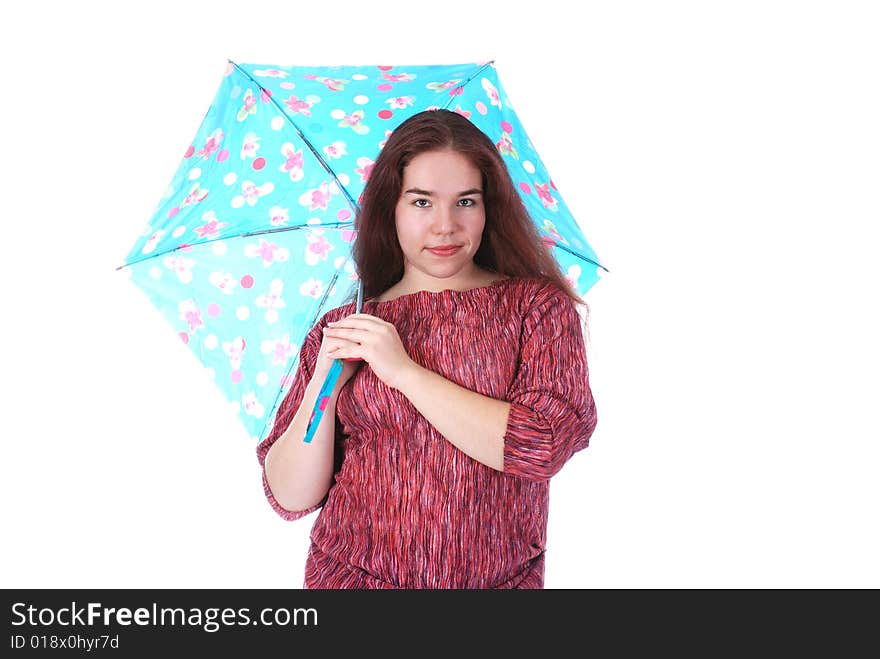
(251, 242)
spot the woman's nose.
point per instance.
(443, 220)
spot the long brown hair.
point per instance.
(511, 244)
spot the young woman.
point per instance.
(465, 386)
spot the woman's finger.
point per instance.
(361, 320)
(351, 333)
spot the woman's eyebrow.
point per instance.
(428, 193)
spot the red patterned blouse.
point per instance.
(410, 510)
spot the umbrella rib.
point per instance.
(327, 168)
(462, 85)
(314, 151)
(449, 102)
(335, 225)
(294, 363)
(580, 256)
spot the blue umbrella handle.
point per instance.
(323, 397)
(329, 382)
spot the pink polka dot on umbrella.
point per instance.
(385, 68)
(247, 281)
(506, 127)
(236, 376)
(481, 108)
(213, 309)
(384, 87)
(525, 187)
(259, 163)
(222, 155)
(191, 150)
(174, 211)
(183, 337)
(385, 114)
(343, 215)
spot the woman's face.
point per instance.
(441, 205)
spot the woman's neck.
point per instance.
(412, 283)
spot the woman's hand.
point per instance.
(366, 337)
(325, 361)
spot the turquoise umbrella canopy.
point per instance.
(251, 243)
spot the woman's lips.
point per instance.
(446, 251)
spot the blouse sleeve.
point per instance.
(308, 356)
(552, 412)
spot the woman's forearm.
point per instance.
(472, 422)
(300, 474)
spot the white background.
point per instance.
(722, 158)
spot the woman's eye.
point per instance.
(466, 202)
(419, 203)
